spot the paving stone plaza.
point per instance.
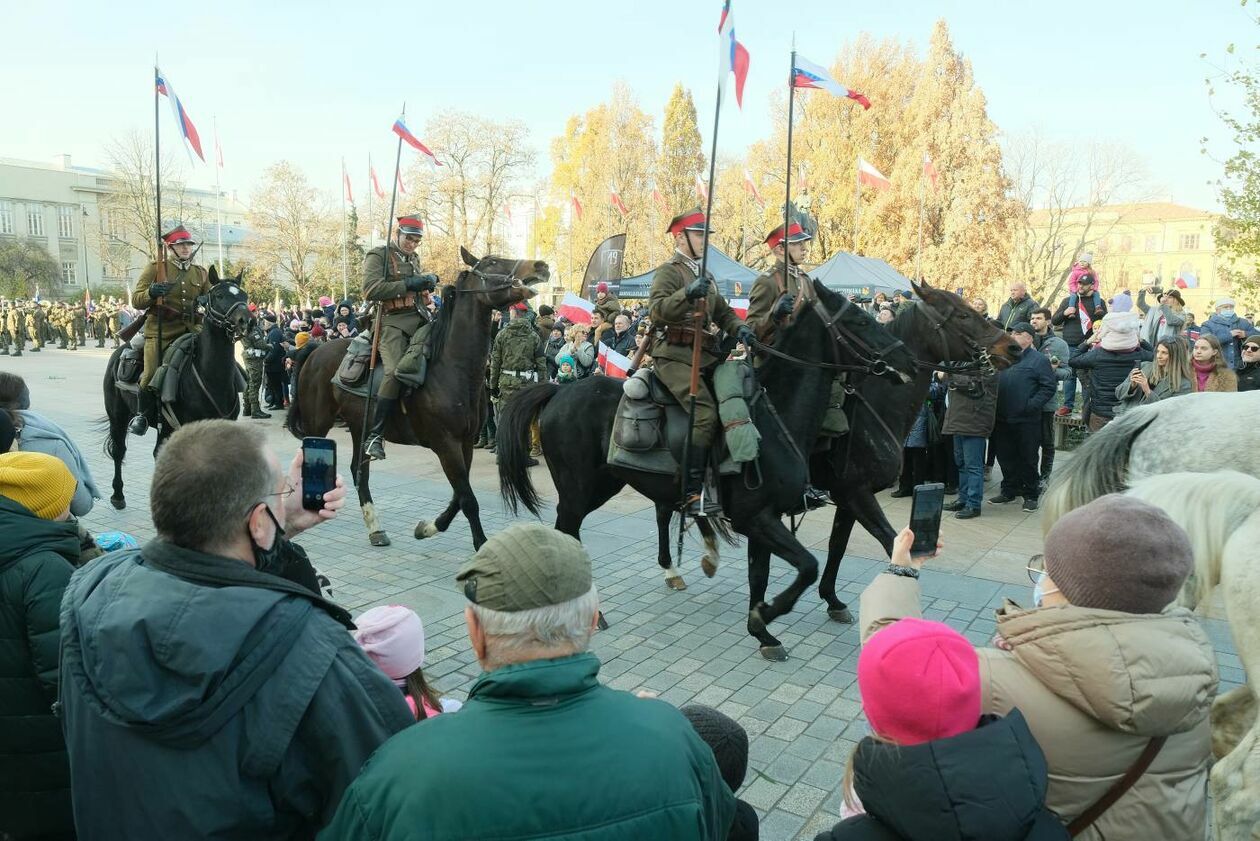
(803, 716)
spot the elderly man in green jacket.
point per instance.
(541, 749)
(207, 690)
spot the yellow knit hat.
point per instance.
(302, 338)
(40, 482)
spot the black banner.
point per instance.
(605, 266)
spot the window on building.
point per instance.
(65, 222)
(114, 223)
(70, 272)
(6, 217)
(1152, 242)
(35, 221)
(1188, 242)
(1126, 244)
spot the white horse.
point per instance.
(1221, 513)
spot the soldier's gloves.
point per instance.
(697, 289)
(784, 309)
(421, 283)
(158, 290)
(746, 336)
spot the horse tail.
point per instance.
(1099, 467)
(293, 418)
(512, 445)
(1213, 508)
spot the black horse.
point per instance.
(576, 422)
(208, 387)
(939, 328)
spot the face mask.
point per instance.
(1227, 313)
(271, 560)
(1039, 593)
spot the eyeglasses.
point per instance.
(288, 489)
(1252, 348)
(1036, 567)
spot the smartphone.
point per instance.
(925, 518)
(319, 471)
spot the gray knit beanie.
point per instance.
(1118, 553)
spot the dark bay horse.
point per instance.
(447, 413)
(577, 420)
(938, 328)
(208, 386)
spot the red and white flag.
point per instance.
(192, 140)
(615, 198)
(702, 189)
(218, 150)
(401, 187)
(810, 76)
(507, 210)
(577, 205)
(929, 170)
(400, 129)
(376, 185)
(740, 305)
(751, 187)
(612, 363)
(660, 200)
(576, 309)
(345, 178)
(872, 177)
(734, 57)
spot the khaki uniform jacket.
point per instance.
(1095, 687)
(384, 283)
(186, 285)
(669, 307)
(765, 293)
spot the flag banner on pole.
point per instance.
(740, 305)
(615, 198)
(575, 308)
(734, 57)
(605, 266)
(613, 363)
(345, 177)
(400, 129)
(751, 186)
(929, 170)
(872, 177)
(507, 210)
(187, 130)
(577, 205)
(660, 200)
(218, 150)
(810, 76)
(401, 187)
(702, 189)
(376, 185)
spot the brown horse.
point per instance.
(448, 412)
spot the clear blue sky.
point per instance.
(315, 80)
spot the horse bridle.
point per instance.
(981, 360)
(506, 280)
(221, 320)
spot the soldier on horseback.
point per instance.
(678, 291)
(172, 312)
(392, 278)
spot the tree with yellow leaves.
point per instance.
(681, 155)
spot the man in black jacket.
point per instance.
(273, 367)
(1076, 316)
(1018, 308)
(1023, 390)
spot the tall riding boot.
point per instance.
(146, 401)
(697, 503)
(374, 446)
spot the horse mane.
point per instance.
(445, 317)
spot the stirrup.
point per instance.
(374, 448)
(138, 425)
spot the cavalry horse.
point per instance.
(577, 420)
(208, 387)
(447, 413)
(939, 329)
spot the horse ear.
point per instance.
(919, 285)
(469, 260)
(214, 274)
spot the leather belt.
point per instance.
(687, 335)
(406, 302)
(524, 375)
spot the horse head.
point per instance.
(858, 338)
(500, 281)
(964, 335)
(227, 306)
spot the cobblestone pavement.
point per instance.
(802, 716)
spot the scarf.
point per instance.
(1087, 318)
(1202, 371)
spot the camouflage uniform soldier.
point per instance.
(516, 359)
(16, 327)
(35, 326)
(6, 338)
(78, 326)
(100, 323)
(674, 301)
(391, 276)
(59, 318)
(169, 320)
(113, 320)
(254, 351)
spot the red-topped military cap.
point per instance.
(177, 235)
(795, 233)
(692, 220)
(521, 306)
(411, 225)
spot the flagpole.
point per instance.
(787, 200)
(857, 201)
(218, 195)
(157, 167)
(371, 190)
(345, 290)
(918, 256)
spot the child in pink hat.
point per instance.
(393, 637)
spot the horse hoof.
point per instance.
(840, 615)
(708, 565)
(118, 502)
(774, 653)
(378, 538)
(425, 529)
(676, 583)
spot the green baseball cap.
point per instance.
(526, 566)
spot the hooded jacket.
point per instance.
(36, 560)
(210, 700)
(1095, 687)
(988, 784)
(41, 435)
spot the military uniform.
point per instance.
(254, 352)
(78, 326)
(114, 320)
(6, 337)
(16, 327)
(100, 323)
(516, 358)
(59, 318)
(35, 326)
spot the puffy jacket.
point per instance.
(1025, 388)
(1013, 313)
(988, 783)
(1096, 686)
(36, 560)
(1248, 376)
(41, 435)
(1109, 370)
(970, 404)
(243, 710)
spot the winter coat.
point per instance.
(623, 344)
(1222, 379)
(1160, 321)
(41, 435)
(243, 711)
(1096, 686)
(1013, 313)
(1128, 395)
(274, 363)
(583, 354)
(1223, 329)
(1248, 376)
(1108, 371)
(1024, 388)
(551, 351)
(970, 404)
(1070, 325)
(919, 435)
(608, 308)
(988, 783)
(542, 749)
(1050, 346)
(544, 324)
(36, 561)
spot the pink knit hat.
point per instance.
(919, 681)
(393, 637)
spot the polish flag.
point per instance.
(577, 205)
(403, 132)
(660, 200)
(740, 305)
(401, 188)
(615, 198)
(376, 185)
(872, 177)
(612, 363)
(345, 177)
(507, 210)
(576, 309)
(702, 190)
(929, 170)
(218, 150)
(734, 57)
(810, 76)
(751, 187)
